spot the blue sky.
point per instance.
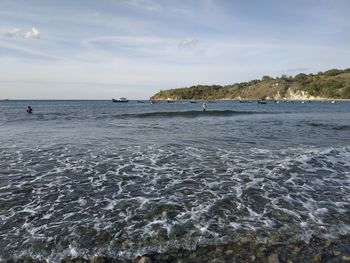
(99, 49)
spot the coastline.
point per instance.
(270, 99)
(316, 250)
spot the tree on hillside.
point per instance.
(265, 78)
(300, 76)
(333, 72)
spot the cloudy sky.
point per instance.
(99, 49)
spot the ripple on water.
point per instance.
(60, 201)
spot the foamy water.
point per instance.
(126, 180)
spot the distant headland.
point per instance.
(331, 84)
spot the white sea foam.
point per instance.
(176, 196)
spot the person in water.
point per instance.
(204, 106)
(29, 109)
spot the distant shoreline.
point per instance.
(272, 100)
(179, 100)
(329, 85)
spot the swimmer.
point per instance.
(29, 109)
(204, 106)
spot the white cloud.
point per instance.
(34, 33)
(14, 32)
(188, 42)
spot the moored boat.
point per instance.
(121, 100)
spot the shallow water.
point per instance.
(85, 178)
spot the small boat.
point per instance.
(140, 101)
(333, 101)
(171, 101)
(124, 100)
(193, 101)
(262, 102)
(245, 101)
(155, 101)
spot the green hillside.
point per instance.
(331, 84)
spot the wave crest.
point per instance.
(189, 114)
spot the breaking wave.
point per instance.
(189, 114)
(337, 127)
(59, 116)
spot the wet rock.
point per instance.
(125, 244)
(161, 208)
(67, 260)
(218, 251)
(29, 260)
(216, 260)
(328, 243)
(296, 250)
(180, 230)
(164, 257)
(318, 258)
(193, 255)
(144, 259)
(98, 260)
(103, 238)
(187, 192)
(318, 250)
(273, 258)
(23, 260)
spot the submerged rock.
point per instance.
(345, 258)
(273, 258)
(318, 258)
(144, 259)
(316, 250)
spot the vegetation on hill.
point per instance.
(331, 84)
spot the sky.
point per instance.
(103, 49)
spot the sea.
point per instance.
(97, 178)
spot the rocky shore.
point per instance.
(316, 250)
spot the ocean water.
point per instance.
(86, 178)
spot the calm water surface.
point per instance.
(85, 178)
